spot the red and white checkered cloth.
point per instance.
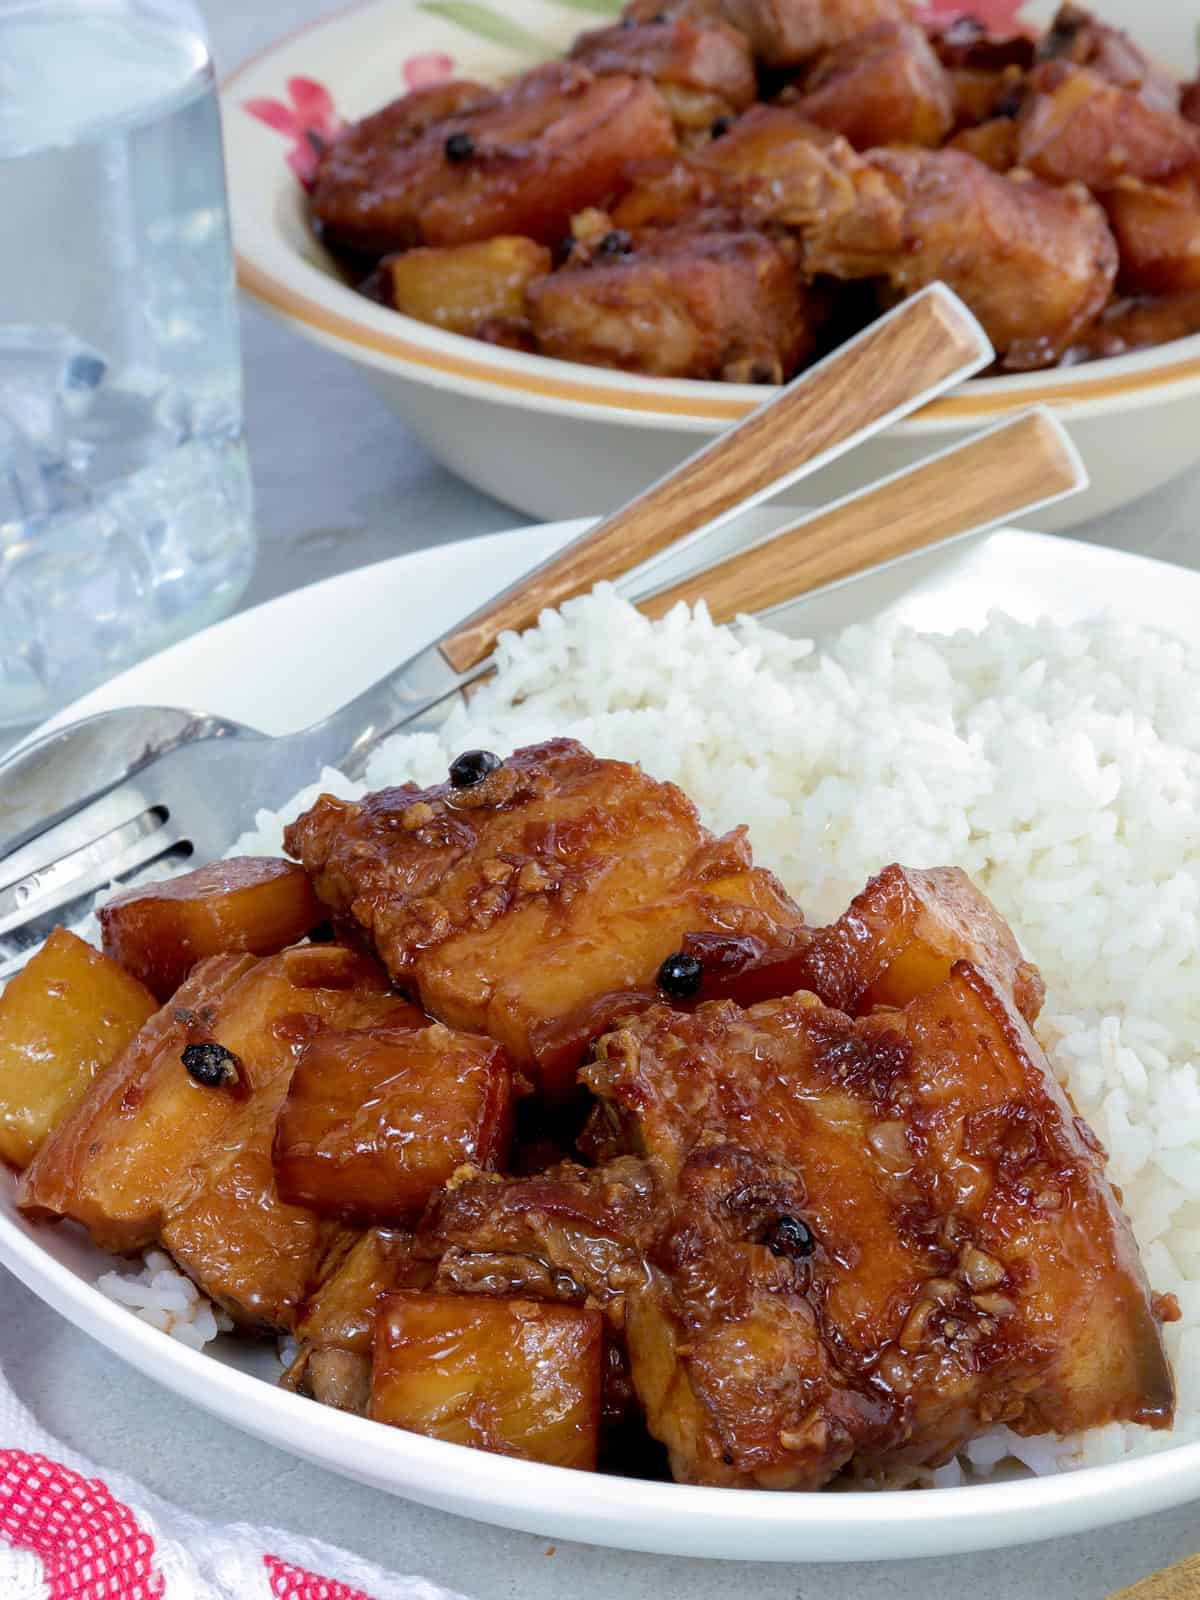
(69, 1533)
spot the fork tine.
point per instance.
(86, 874)
(114, 836)
(74, 833)
(10, 968)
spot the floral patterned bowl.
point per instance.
(559, 439)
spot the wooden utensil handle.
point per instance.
(1181, 1582)
(991, 478)
(925, 344)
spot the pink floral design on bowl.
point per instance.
(434, 66)
(309, 118)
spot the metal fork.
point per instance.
(197, 797)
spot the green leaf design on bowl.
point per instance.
(599, 8)
(486, 23)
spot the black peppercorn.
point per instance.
(459, 147)
(1008, 107)
(472, 767)
(788, 1236)
(680, 975)
(615, 243)
(720, 126)
(211, 1064)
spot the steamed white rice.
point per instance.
(167, 1299)
(1059, 766)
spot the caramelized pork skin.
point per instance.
(557, 878)
(903, 1237)
(152, 1154)
(682, 304)
(883, 86)
(517, 161)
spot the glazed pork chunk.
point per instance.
(1035, 263)
(774, 170)
(682, 304)
(1075, 126)
(702, 68)
(518, 161)
(784, 33)
(883, 86)
(511, 897)
(1157, 226)
(873, 1239)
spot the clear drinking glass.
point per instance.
(125, 505)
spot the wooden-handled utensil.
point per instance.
(1005, 472)
(926, 345)
(1181, 1582)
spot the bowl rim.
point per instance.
(329, 310)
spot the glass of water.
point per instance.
(126, 519)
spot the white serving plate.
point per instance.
(556, 438)
(261, 667)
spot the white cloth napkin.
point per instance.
(71, 1531)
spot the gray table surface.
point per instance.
(340, 484)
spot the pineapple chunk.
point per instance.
(252, 903)
(896, 940)
(517, 1377)
(465, 287)
(65, 1018)
(128, 1151)
(377, 1119)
